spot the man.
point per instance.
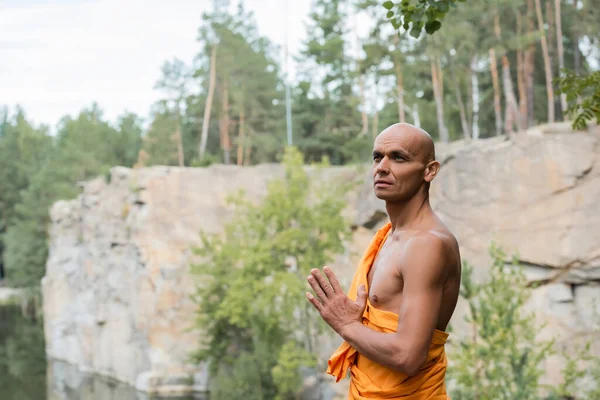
(405, 288)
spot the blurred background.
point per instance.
(128, 254)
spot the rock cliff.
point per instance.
(117, 284)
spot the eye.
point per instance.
(399, 158)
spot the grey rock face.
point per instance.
(117, 286)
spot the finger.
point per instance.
(361, 296)
(316, 303)
(316, 288)
(323, 282)
(334, 282)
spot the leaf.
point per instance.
(432, 26)
(418, 16)
(388, 5)
(390, 14)
(443, 7)
(415, 32)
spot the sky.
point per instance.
(59, 56)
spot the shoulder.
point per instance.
(430, 242)
(427, 253)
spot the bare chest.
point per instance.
(385, 282)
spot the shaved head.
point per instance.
(418, 142)
(404, 162)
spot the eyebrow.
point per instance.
(393, 153)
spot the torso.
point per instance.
(385, 280)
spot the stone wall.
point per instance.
(117, 284)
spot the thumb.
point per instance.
(361, 296)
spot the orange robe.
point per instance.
(370, 380)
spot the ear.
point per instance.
(431, 170)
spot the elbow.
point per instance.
(410, 363)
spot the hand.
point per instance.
(332, 303)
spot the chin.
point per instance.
(389, 196)
(383, 195)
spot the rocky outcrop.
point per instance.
(117, 286)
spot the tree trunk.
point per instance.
(439, 101)
(510, 96)
(180, 155)
(399, 82)
(561, 55)
(547, 65)
(209, 99)
(415, 115)
(511, 111)
(496, 84)
(550, 21)
(440, 77)
(475, 98)
(461, 105)
(224, 126)
(240, 149)
(365, 117)
(530, 65)
(363, 97)
(376, 114)
(577, 54)
(248, 148)
(521, 73)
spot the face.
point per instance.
(400, 167)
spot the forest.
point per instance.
(462, 70)
(493, 69)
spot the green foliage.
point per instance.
(22, 355)
(583, 96)
(37, 169)
(251, 298)
(285, 374)
(572, 373)
(246, 69)
(501, 358)
(325, 106)
(416, 16)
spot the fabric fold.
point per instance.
(370, 380)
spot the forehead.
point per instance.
(390, 141)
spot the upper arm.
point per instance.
(423, 269)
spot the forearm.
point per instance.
(383, 348)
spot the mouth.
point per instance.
(382, 183)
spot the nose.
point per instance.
(382, 167)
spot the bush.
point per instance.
(501, 358)
(258, 327)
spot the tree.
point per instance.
(244, 80)
(174, 83)
(501, 358)
(23, 151)
(256, 324)
(547, 63)
(209, 100)
(22, 355)
(83, 148)
(327, 76)
(412, 17)
(583, 94)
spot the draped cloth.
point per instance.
(370, 380)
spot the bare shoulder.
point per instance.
(434, 251)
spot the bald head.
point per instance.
(414, 140)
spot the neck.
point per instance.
(403, 214)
